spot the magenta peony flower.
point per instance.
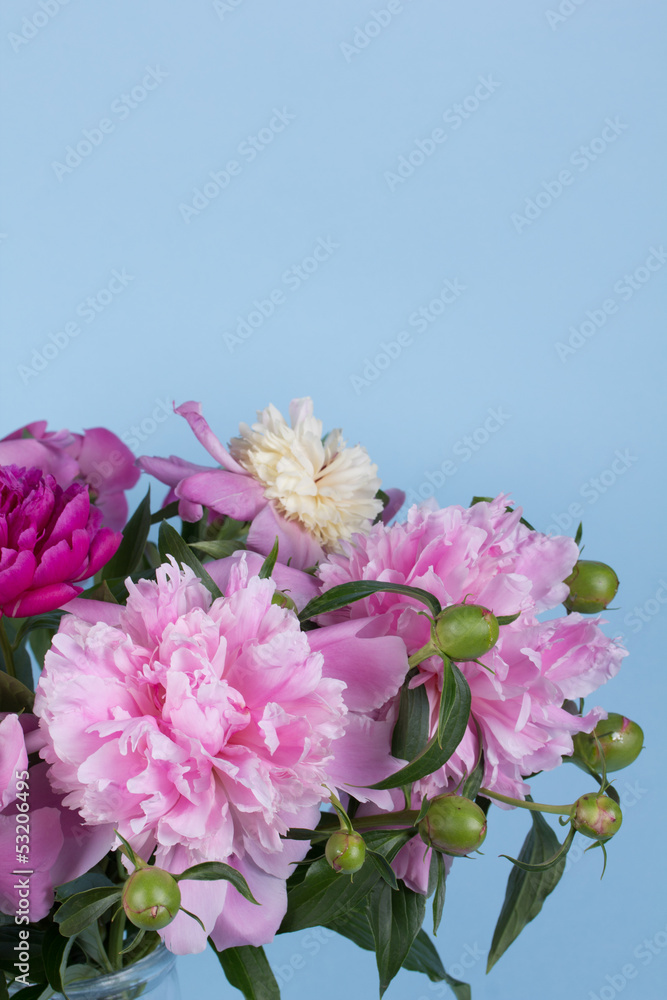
(57, 845)
(49, 539)
(205, 729)
(309, 491)
(486, 555)
(96, 458)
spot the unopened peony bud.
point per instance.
(453, 825)
(283, 600)
(593, 586)
(345, 852)
(151, 898)
(466, 631)
(620, 739)
(597, 816)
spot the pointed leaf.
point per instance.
(422, 956)
(395, 919)
(14, 696)
(347, 593)
(128, 556)
(171, 543)
(384, 868)
(248, 969)
(550, 862)
(219, 548)
(507, 619)
(83, 908)
(266, 569)
(455, 703)
(55, 952)
(439, 895)
(411, 729)
(526, 891)
(579, 534)
(475, 779)
(171, 510)
(212, 871)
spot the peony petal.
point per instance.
(238, 496)
(192, 413)
(296, 546)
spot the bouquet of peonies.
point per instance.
(288, 713)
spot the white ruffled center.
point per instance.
(329, 488)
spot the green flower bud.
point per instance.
(593, 586)
(596, 816)
(453, 825)
(466, 631)
(621, 741)
(345, 852)
(151, 898)
(283, 600)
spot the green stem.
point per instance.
(534, 806)
(6, 648)
(115, 942)
(422, 654)
(406, 817)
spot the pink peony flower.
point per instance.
(205, 729)
(49, 539)
(60, 847)
(486, 555)
(96, 458)
(309, 491)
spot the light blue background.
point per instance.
(220, 71)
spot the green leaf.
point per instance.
(171, 543)
(50, 621)
(266, 569)
(384, 868)
(4, 992)
(507, 619)
(212, 871)
(460, 990)
(579, 534)
(102, 591)
(129, 850)
(55, 952)
(422, 956)
(411, 729)
(439, 896)
(563, 848)
(347, 593)
(171, 510)
(38, 992)
(454, 715)
(91, 880)
(219, 548)
(475, 779)
(135, 535)
(324, 895)
(248, 969)
(83, 908)
(454, 707)
(14, 696)
(526, 891)
(395, 919)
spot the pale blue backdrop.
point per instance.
(442, 220)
